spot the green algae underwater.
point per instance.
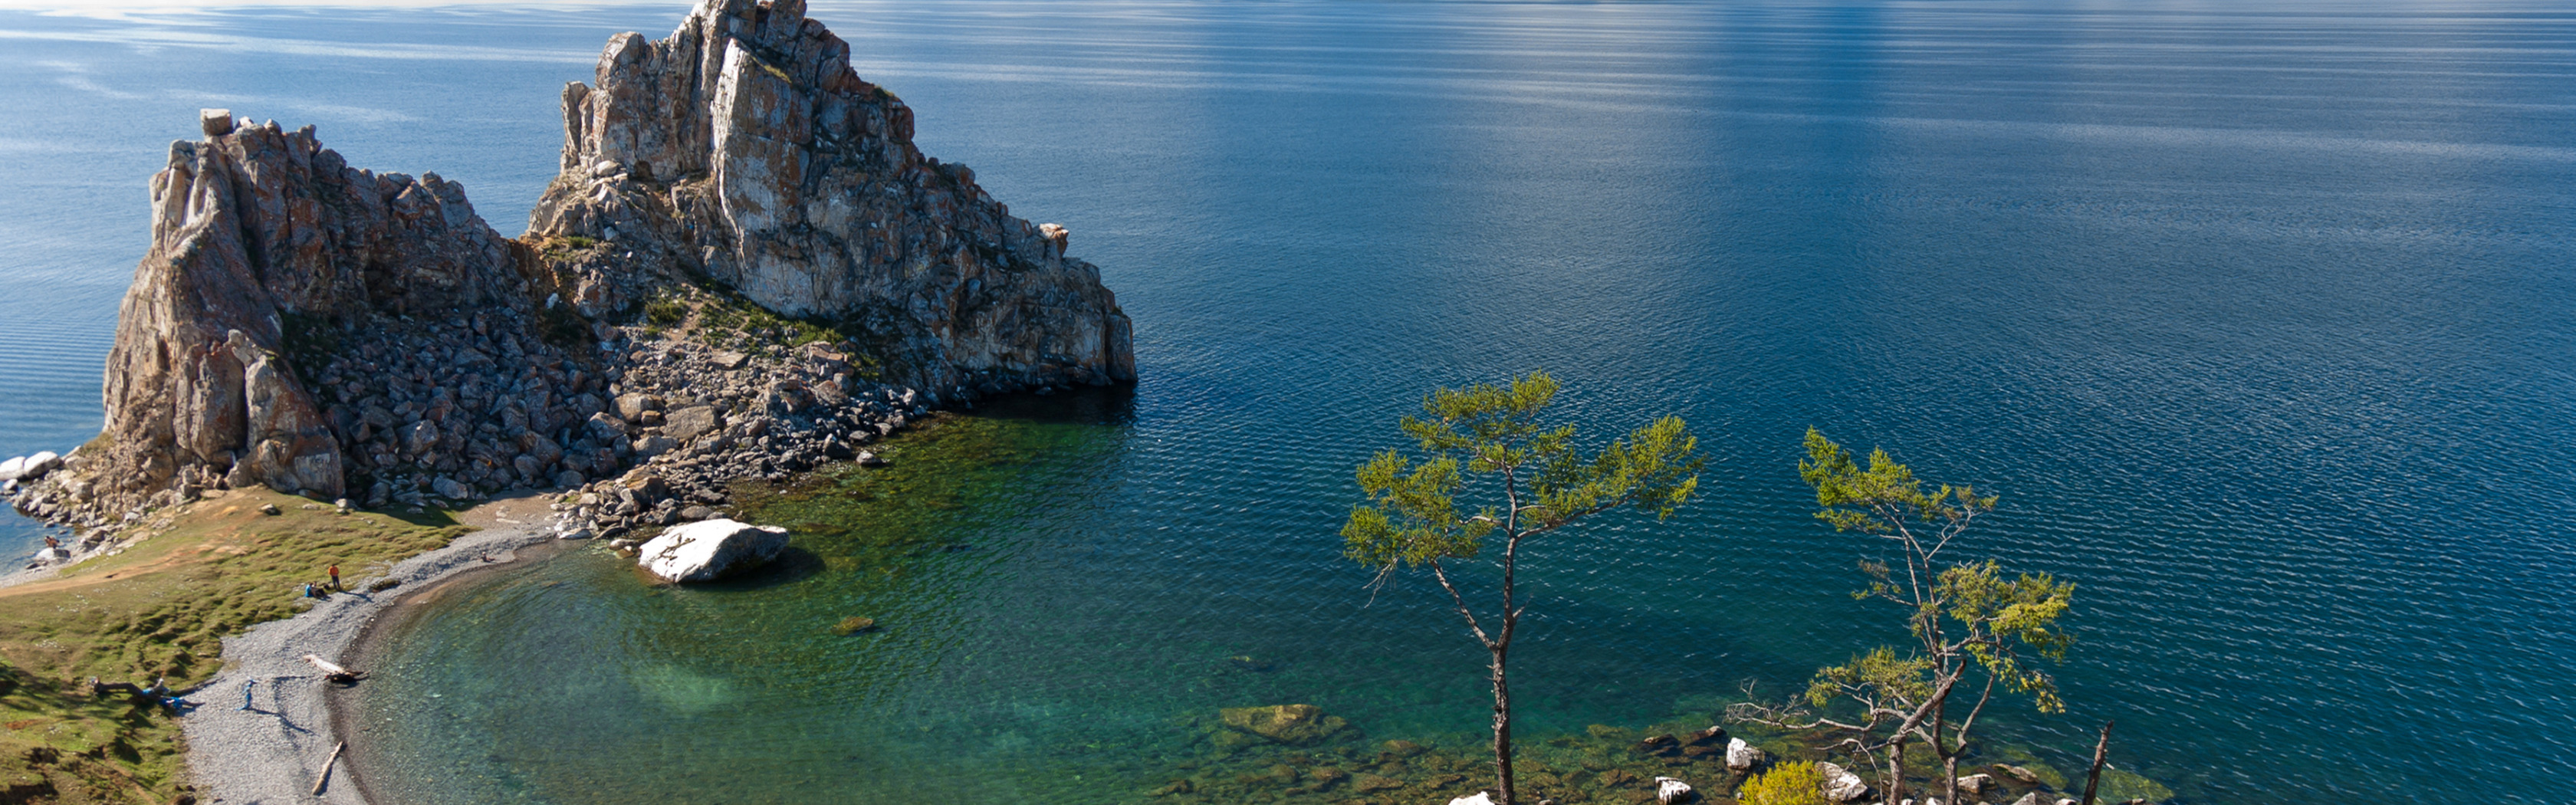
(1017, 652)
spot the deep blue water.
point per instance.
(2259, 322)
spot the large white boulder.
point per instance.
(709, 549)
(1741, 756)
(29, 468)
(1840, 784)
(1669, 791)
(1478, 798)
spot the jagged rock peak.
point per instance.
(258, 232)
(744, 149)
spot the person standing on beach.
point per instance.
(335, 577)
(247, 684)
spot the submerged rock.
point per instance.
(709, 550)
(854, 625)
(1285, 723)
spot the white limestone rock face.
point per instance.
(709, 550)
(742, 147)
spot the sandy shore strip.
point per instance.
(274, 753)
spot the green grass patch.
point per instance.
(161, 608)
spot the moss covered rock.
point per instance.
(1285, 723)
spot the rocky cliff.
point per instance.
(743, 148)
(745, 269)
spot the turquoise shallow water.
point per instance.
(2257, 320)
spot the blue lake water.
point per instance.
(2258, 321)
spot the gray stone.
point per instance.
(631, 407)
(1976, 783)
(450, 488)
(1670, 791)
(419, 437)
(1840, 785)
(215, 122)
(691, 422)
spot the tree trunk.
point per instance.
(1896, 769)
(1502, 730)
(1950, 770)
(2101, 752)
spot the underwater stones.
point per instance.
(1365, 783)
(854, 625)
(709, 550)
(1741, 756)
(1285, 723)
(1840, 785)
(2026, 776)
(1670, 791)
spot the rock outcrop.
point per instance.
(744, 149)
(709, 550)
(745, 270)
(263, 242)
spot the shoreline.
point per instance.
(276, 751)
(366, 646)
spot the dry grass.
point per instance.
(161, 607)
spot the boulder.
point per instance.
(451, 488)
(2032, 798)
(1478, 798)
(1285, 723)
(29, 468)
(2026, 776)
(1840, 785)
(691, 422)
(710, 549)
(1741, 756)
(215, 122)
(1976, 783)
(1670, 791)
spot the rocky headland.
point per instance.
(744, 269)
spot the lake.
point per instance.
(2258, 321)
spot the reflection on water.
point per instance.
(2256, 316)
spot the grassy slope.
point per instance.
(205, 570)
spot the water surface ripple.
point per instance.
(2258, 321)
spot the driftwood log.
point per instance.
(333, 671)
(325, 779)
